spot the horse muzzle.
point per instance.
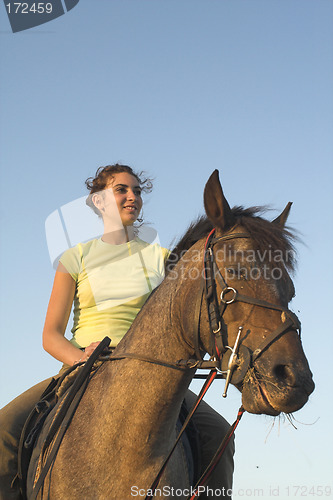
(272, 388)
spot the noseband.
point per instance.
(235, 361)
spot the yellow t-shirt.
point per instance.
(112, 284)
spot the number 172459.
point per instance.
(308, 491)
(25, 8)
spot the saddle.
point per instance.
(48, 421)
(47, 424)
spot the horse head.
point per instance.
(250, 261)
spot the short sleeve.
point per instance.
(160, 256)
(163, 257)
(72, 260)
(166, 253)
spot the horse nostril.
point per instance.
(284, 373)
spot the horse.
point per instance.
(125, 424)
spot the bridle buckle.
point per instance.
(227, 290)
(218, 328)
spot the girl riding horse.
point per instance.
(108, 279)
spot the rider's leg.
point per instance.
(12, 419)
(212, 428)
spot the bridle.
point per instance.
(240, 358)
(232, 362)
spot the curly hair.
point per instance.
(102, 178)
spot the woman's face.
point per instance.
(125, 190)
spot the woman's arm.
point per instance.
(60, 305)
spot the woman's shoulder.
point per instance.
(72, 257)
(81, 248)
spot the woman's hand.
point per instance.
(87, 352)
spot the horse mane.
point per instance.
(264, 234)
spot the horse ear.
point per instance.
(282, 218)
(216, 206)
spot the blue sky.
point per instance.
(177, 88)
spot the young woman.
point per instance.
(108, 279)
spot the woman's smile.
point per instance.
(127, 194)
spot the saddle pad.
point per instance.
(58, 419)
